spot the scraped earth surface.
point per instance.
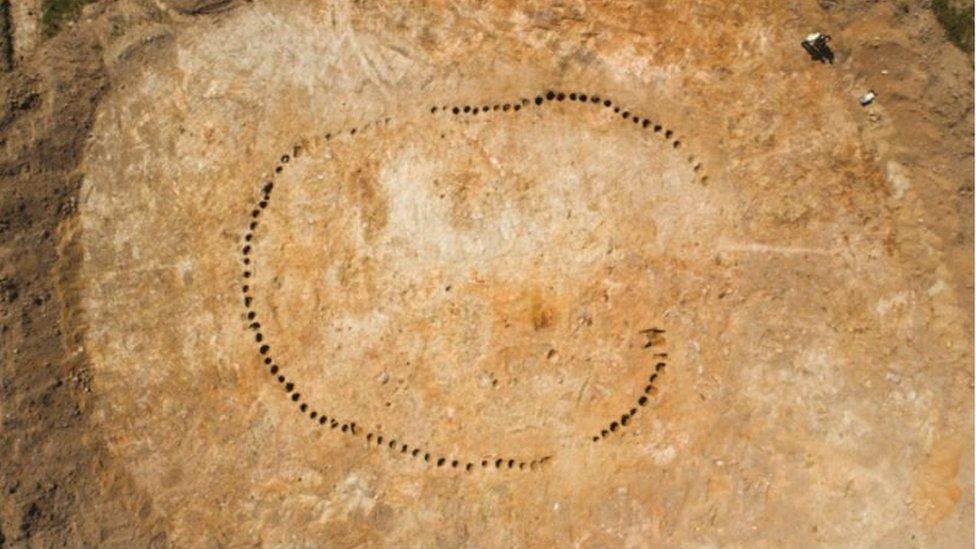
(567, 276)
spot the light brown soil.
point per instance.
(487, 287)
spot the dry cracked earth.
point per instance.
(537, 274)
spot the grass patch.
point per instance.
(957, 22)
(58, 12)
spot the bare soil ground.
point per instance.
(765, 456)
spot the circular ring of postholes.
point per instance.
(375, 439)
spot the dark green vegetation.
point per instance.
(6, 37)
(957, 20)
(58, 12)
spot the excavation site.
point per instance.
(306, 273)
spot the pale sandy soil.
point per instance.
(720, 304)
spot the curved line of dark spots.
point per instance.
(264, 349)
(649, 390)
(555, 95)
(322, 419)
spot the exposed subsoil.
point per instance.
(60, 484)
